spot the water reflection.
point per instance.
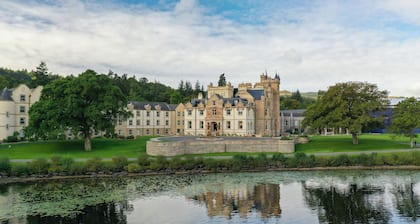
(263, 198)
(272, 197)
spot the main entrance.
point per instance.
(213, 128)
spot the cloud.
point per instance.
(311, 46)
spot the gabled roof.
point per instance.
(6, 94)
(163, 106)
(256, 93)
(235, 101)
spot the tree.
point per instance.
(3, 82)
(222, 80)
(406, 118)
(41, 76)
(83, 104)
(347, 105)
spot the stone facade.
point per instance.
(149, 118)
(155, 147)
(14, 108)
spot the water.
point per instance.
(270, 197)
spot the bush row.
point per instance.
(67, 166)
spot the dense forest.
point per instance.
(137, 89)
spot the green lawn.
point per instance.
(343, 143)
(104, 148)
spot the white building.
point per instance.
(14, 108)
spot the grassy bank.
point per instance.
(343, 143)
(64, 166)
(102, 148)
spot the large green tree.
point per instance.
(406, 118)
(83, 104)
(348, 105)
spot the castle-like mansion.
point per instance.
(249, 110)
(244, 111)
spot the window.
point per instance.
(22, 98)
(167, 114)
(148, 114)
(214, 103)
(201, 112)
(130, 122)
(213, 111)
(148, 122)
(201, 124)
(22, 109)
(119, 122)
(137, 122)
(189, 112)
(189, 124)
(178, 122)
(157, 131)
(265, 112)
(227, 111)
(158, 122)
(147, 131)
(119, 132)
(157, 114)
(178, 131)
(240, 112)
(178, 113)
(228, 124)
(286, 123)
(166, 131)
(130, 132)
(167, 122)
(138, 113)
(240, 124)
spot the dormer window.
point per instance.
(228, 112)
(214, 103)
(22, 98)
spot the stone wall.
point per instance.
(155, 147)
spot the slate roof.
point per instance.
(235, 101)
(256, 93)
(6, 95)
(195, 102)
(163, 106)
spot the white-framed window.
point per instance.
(158, 122)
(189, 112)
(240, 124)
(157, 114)
(189, 124)
(22, 109)
(213, 111)
(22, 98)
(228, 112)
(201, 124)
(228, 124)
(148, 114)
(137, 122)
(167, 122)
(130, 122)
(201, 112)
(148, 122)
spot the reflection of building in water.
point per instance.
(265, 198)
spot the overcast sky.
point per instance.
(310, 44)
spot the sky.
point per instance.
(311, 44)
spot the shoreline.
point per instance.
(14, 180)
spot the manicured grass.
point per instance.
(343, 143)
(103, 148)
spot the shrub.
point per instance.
(365, 160)
(210, 164)
(119, 162)
(5, 166)
(55, 165)
(20, 169)
(133, 168)
(159, 163)
(94, 164)
(66, 163)
(39, 166)
(176, 163)
(143, 160)
(341, 160)
(261, 160)
(77, 168)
